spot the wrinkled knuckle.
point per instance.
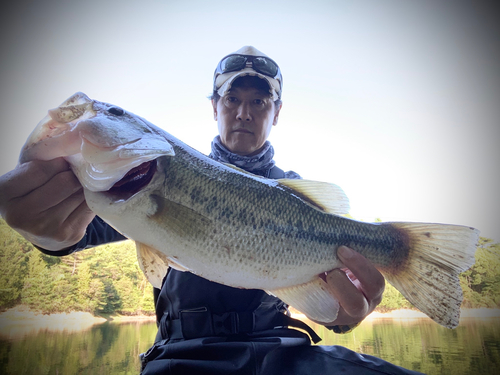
(359, 309)
(67, 179)
(72, 233)
(41, 228)
(382, 288)
(48, 167)
(377, 287)
(380, 281)
(13, 219)
(376, 301)
(39, 168)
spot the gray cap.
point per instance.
(222, 82)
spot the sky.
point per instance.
(397, 102)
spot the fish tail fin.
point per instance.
(438, 254)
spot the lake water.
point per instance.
(112, 348)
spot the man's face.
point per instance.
(245, 117)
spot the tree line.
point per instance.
(107, 279)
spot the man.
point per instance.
(205, 327)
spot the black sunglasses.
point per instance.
(261, 64)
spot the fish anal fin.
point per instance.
(429, 279)
(174, 263)
(322, 195)
(313, 299)
(153, 263)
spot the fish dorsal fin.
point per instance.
(322, 195)
(153, 263)
(238, 169)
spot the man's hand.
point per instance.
(358, 287)
(44, 202)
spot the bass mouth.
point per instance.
(134, 181)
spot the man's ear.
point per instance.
(214, 105)
(277, 114)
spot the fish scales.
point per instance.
(189, 212)
(282, 240)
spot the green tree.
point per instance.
(481, 283)
(14, 256)
(393, 300)
(37, 291)
(91, 291)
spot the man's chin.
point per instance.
(243, 147)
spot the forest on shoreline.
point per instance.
(107, 279)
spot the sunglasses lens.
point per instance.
(233, 63)
(265, 66)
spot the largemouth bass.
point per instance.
(191, 213)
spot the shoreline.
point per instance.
(407, 314)
(20, 320)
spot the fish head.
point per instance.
(103, 143)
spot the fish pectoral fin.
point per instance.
(178, 219)
(314, 299)
(153, 263)
(322, 195)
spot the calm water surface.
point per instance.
(112, 348)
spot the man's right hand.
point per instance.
(44, 202)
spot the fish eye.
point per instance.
(116, 111)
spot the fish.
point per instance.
(189, 212)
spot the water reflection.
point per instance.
(111, 348)
(103, 349)
(422, 345)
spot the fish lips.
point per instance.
(134, 181)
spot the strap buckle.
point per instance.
(232, 323)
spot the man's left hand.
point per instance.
(358, 287)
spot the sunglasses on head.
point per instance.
(260, 64)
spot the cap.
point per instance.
(223, 81)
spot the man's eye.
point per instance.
(258, 101)
(231, 99)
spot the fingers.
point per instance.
(350, 298)
(76, 223)
(44, 201)
(81, 213)
(369, 280)
(358, 288)
(62, 189)
(29, 176)
(32, 206)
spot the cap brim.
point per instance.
(227, 80)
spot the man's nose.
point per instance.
(244, 112)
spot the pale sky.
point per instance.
(397, 102)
